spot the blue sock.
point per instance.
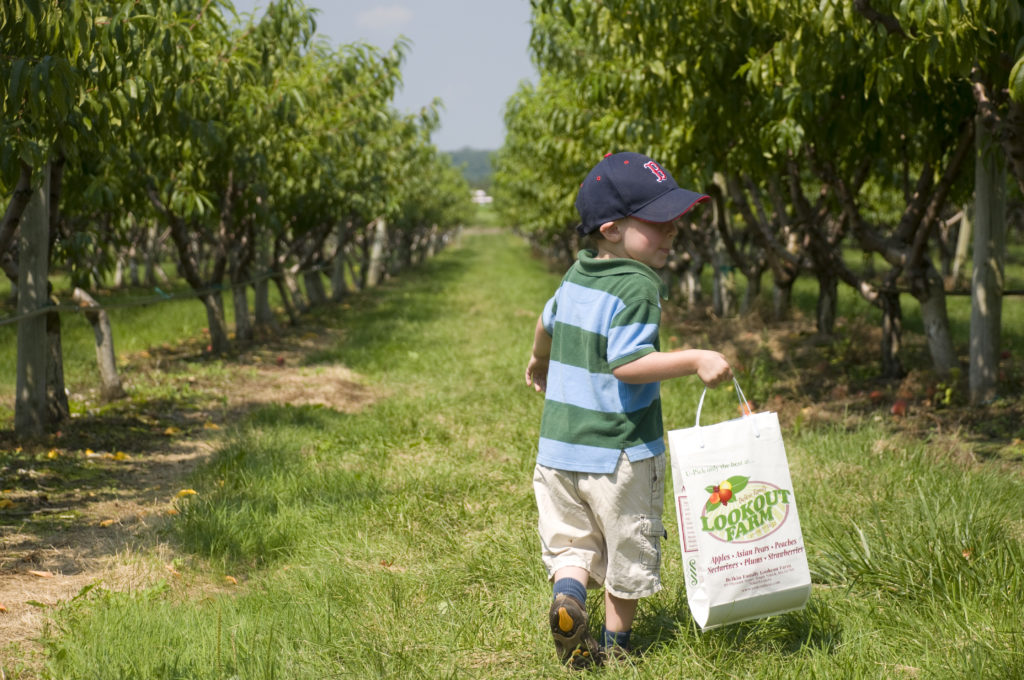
(571, 587)
(612, 639)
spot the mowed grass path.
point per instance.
(399, 542)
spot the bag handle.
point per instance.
(744, 404)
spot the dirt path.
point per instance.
(85, 506)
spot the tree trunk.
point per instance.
(828, 299)
(214, 304)
(432, 241)
(782, 296)
(286, 299)
(987, 281)
(723, 292)
(105, 358)
(30, 405)
(892, 335)
(339, 286)
(689, 282)
(294, 290)
(155, 247)
(753, 290)
(265, 320)
(240, 301)
(20, 198)
(315, 290)
(375, 269)
(57, 408)
(932, 296)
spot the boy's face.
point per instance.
(646, 242)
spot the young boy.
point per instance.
(599, 478)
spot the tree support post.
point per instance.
(987, 280)
(99, 319)
(30, 406)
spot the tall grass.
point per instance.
(400, 541)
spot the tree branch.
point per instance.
(16, 208)
(890, 23)
(964, 146)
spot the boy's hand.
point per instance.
(537, 373)
(713, 368)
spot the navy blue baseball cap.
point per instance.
(630, 184)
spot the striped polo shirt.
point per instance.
(605, 313)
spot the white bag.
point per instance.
(743, 551)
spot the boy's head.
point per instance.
(630, 184)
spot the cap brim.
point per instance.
(670, 205)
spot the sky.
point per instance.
(470, 53)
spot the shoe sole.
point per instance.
(573, 642)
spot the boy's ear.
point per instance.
(611, 231)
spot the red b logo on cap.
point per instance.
(656, 170)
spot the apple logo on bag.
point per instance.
(740, 510)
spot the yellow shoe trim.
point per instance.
(565, 621)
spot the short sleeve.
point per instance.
(547, 317)
(633, 333)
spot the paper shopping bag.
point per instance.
(743, 551)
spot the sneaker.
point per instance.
(615, 653)
(573, 642)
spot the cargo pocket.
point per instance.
(652, 530)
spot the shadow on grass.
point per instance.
(126, 464)
(810, 379)
(813, 628)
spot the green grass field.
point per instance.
(399, 541)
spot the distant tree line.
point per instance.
(476, 165)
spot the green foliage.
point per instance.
(258, 146)
(818, 125)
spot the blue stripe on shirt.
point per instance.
(626, 340)
(607, 393)
(592, 459)
(590, 309)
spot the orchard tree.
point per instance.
(810, 125)
(979, 43)
(58, 100)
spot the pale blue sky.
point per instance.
(470, 53)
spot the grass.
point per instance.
(141, 321)
(400, 541)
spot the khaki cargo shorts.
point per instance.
(608, 524)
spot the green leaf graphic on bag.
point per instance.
(725, 491)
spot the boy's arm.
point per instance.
(710, 366)
(537, 367)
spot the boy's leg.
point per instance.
(576, 573)
(618, 625)
(568, 618)
(573, 554)
(632, 504)
(619, 613)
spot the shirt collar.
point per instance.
(618, 266)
